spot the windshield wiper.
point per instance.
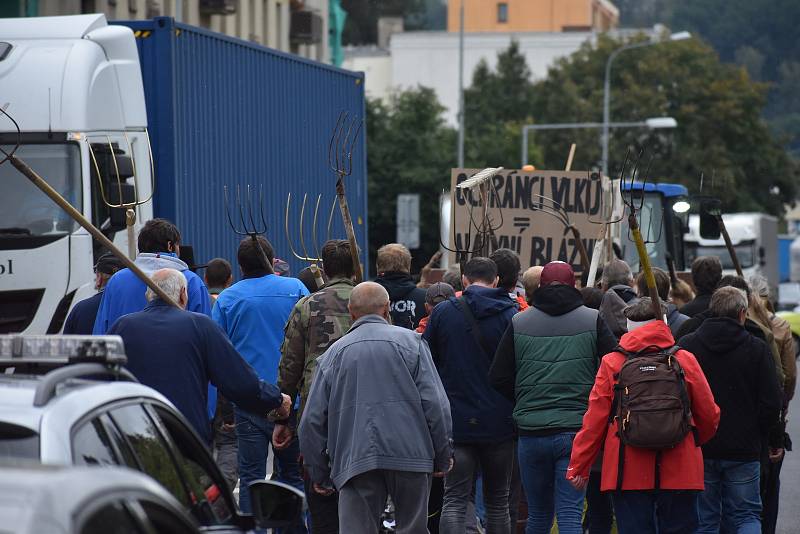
(15, 230)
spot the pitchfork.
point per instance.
(251, 226)
(306, 257)
(340, 160)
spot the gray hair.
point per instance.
(617, 272)
(642, 310)
(368, 298)
(728, 301)
(169, 281)
(759, 285)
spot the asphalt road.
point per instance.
(789, 512)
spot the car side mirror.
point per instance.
(275, 504)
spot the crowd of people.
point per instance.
(445, 402)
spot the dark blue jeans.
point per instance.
(656, 512)
(255, 437)
(543, 462)
(732, 493)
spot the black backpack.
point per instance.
(651, 404)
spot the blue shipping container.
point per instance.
(226, 112)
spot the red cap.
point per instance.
(557, 272)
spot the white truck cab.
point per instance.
(754, 237)
(74, 87)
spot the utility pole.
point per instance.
(461, 88)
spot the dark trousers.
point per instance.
(599, 513)
(514, 491)
(770, 495)
(494, 462)
(363, 498)
(255, 437)
(324, 511)
(226, 455)
(656, 512)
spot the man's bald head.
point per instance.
(369, 298)
(171, 282)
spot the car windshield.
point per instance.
(26, 211)
(651, 224)
(745, 253)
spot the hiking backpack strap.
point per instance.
(473, 326)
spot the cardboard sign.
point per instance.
(517, 218)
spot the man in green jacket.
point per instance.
(546, 364)
(314, 324)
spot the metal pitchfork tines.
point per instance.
(713, 206)
(340, 160)
(110, 150)
(550, 207)
(482, 183)
(634, 208)
(306, 257)
(253, 221)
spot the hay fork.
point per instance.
(340, 160)
(482, 183)
(315, 271)
(633, 225)
(250, 225)
(713, 206)
(550, 207)
(129, 205)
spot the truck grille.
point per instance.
(18, 308)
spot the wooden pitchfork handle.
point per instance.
(729, 245)
(644, 261)
(39, 182)
(348, 226)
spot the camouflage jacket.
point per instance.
(314, 324)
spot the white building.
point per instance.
(430, 59)
(296, 26)
(376, 64)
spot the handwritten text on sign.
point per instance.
(518, 218)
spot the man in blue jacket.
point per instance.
(159, 246)
(463, 335)
(253, 312)
(177, 353)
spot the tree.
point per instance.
(497, 104)
(411, 150)
(717, 107)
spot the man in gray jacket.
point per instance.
(377, 420)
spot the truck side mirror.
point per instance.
(709, 227)
(275, 504)
(762, 257)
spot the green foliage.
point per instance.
(497, 104)
(716, 105)
(411, 150)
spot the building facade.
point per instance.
(295, 26)
(532, 15)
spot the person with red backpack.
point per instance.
(652, 408)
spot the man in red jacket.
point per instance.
(639, 509)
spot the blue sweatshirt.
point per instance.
(253, 312)
(177, 353)
(480, 414)
(125, 292)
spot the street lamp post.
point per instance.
(461, 87)
(653, 123)
(680, 36)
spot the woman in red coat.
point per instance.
(639, 509)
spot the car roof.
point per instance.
(73, 398)
(36, 498)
